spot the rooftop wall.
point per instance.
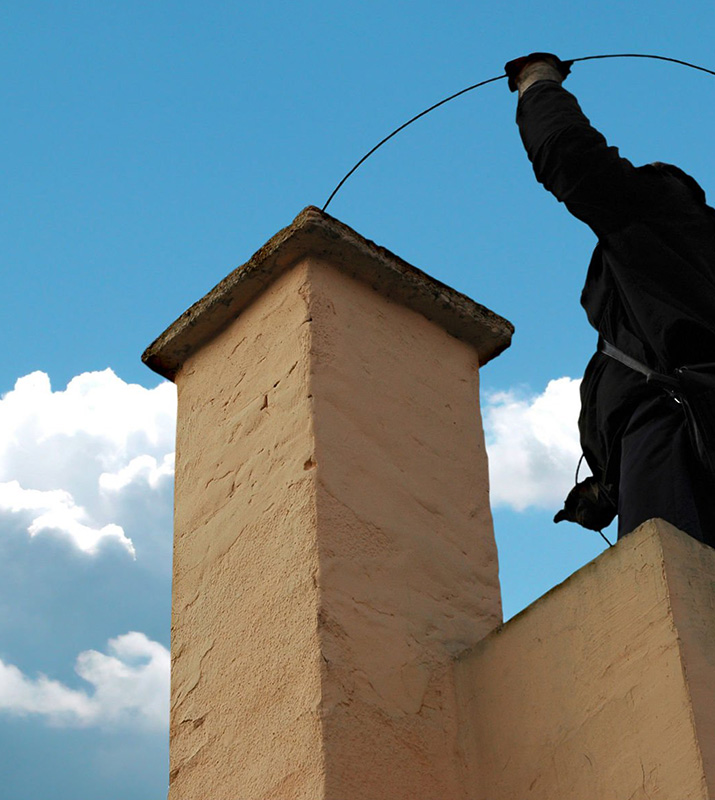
(603, 687)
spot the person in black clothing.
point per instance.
(649, 292)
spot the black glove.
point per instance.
(589, 504)
(514, 68)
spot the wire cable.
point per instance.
(492, 80)
(404, 125)
(578, 467)
(605, 538)
(645, 55)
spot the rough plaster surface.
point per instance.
(408, 563)
(333, 549)
(690, 571)
(246, 675)
(586, 695)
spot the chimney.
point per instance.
(333, 544)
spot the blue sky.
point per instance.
(148, 149)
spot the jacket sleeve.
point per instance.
(573, 160)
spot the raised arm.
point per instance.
(570, 157)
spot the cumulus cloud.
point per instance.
(84, 462)
(130, 686)
(533, 445)
(56, 510)
(144, 469)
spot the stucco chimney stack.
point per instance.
(333, 546)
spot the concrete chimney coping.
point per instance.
(315, 233)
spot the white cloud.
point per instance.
(142, 468)
(56, 510)
(533, 445)
(82, 463)
(130, 686)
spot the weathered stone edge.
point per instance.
(315, 233)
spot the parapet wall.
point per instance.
(603, 688)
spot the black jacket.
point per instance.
(650, 286)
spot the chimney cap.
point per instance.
(315, 233)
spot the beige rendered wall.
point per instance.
(408, 563)
(246, 679)
(690, 572)
(585, 695)
(333, 549)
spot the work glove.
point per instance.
(551, 66)
(589, 504)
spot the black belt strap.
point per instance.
(651, 375)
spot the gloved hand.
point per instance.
(588, 504)
(536, 66)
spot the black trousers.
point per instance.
(660, 474)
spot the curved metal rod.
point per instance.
(491, 80)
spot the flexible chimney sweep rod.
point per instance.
(492, 80)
